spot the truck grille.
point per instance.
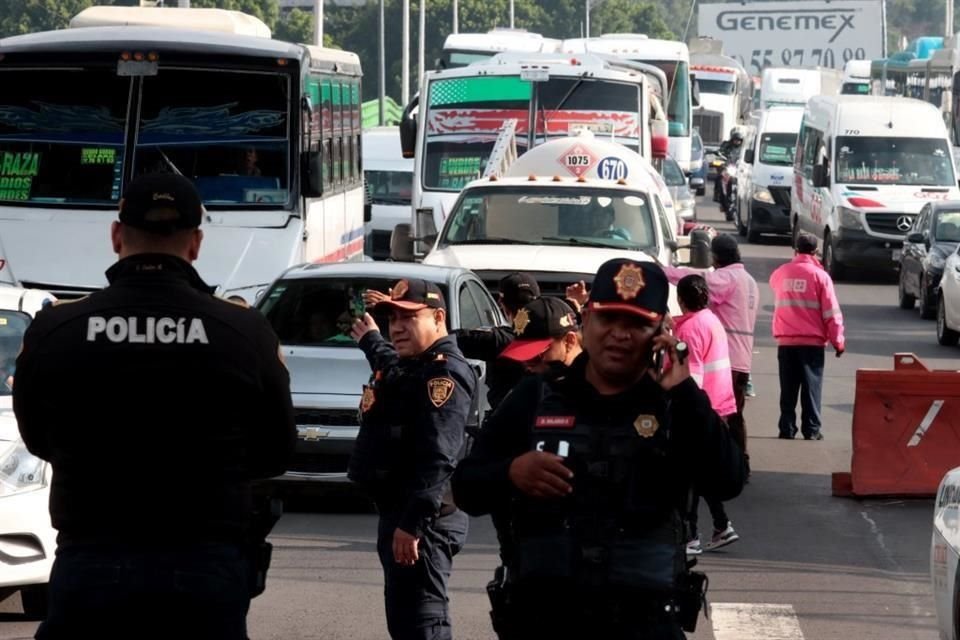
(710, 124)
(893, 224)
(327, 417)
(781, 195)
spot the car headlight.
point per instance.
(936, 261)
(849, 218)
(762, 194)
(20, 470)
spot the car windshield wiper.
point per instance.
(593, 243)
(489, 241)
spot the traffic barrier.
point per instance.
(906, 430)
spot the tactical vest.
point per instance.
(614, 530)
(384, 451)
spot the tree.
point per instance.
(627, 16)
(297, 26)
(29, 16)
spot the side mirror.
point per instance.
(695, 91)
(673, 245)
(696, 182)
(748, 156)
(408, 129)
(820, 177)
(424, 231)
(401, 243)
(311, 174)
(700, 249)
(917, 238)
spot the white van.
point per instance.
(765, 173)
(856, 78)
(788, 85)
(389, 182)
(865, 166)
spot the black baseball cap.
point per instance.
(806, 243)
(536, 325)
(161, 203)
(414, 295)
(518, 289)
(623, 285)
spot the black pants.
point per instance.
(546, 615)
(737, 422)
(106, 591)
(415, 597)
(717, 512)
(801, 373)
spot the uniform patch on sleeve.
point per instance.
(440, 390)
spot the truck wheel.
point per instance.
(752, 234)
(830, 263)
(34, 600)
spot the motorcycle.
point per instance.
(724, 170)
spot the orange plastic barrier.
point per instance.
(906, 430)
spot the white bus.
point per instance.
(671, 57)
(461, 49)
(268, 131)
(549, 95)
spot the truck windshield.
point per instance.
(902, 161)
(465, 115)
(61, 136)
(552, 216)
(777, 148)
(721, 87)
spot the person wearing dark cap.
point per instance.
(413, 418)
(595, 464)
(806, 317)
(734, 299)
(189, 401)
(547, 334)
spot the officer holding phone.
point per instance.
(595, 465)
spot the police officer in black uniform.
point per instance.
(157, 404)
(596, 464)
(412, 433)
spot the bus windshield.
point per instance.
(678, 82)
(721, 87)
(902, 161)
(61, 136)
(229, 133)
(544, 216)
(466, 114)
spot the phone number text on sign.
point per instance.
(760, 59)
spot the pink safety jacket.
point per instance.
(709, 357)
(734, 298)
(806, 309)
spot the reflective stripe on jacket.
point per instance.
(806, 309)
(709, 357)
(734, 299)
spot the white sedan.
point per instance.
(27, 539)
(944, 554)
(948, 302)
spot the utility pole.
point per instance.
(318, 22)
(456, 16)
(949, 20)
(588, 19)
(383, 68)
(421, 54)
(405, 56)
(511, 14)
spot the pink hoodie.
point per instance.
(709, 357)
(734, 298)
(807, 312)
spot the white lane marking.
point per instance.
(754, 621)
(925, 423)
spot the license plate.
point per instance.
(896, 255)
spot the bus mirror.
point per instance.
(820, 177)
(694, 91)
(748, 156)
(311, 174)
(700, 249)
(401, 243)
(424, 231)
(408, 129)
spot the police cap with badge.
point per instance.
(161, 203)
(537, 325)
(628, 286)
(414, 295)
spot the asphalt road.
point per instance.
(808, 565)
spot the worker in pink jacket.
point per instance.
(709, 361)
(734, 299)
(806, 317)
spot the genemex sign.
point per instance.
(801, 34)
